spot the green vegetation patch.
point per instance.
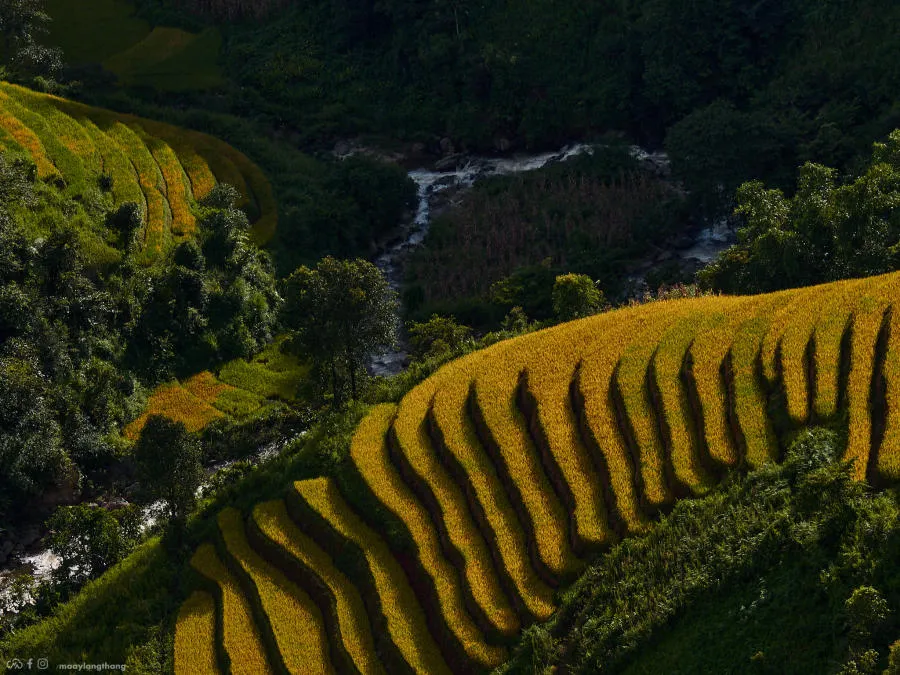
(110, 618)
(271, 374)
(170, 59)
(92, 35)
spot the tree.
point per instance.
(716, 147)
(341, 313)
(126, 220)
(17, 178)
(210, 302)
(32, 456)
(894, 660)
(438, 335)
(168, 460)
(222, 196)
(576, 296)
(90, 539)
(516, 321)
(826, 231)
(22, 56)
(867, 611)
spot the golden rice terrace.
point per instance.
(490, 485)
(166, 170)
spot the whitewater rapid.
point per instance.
(430, 183)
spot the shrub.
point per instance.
(576, 296)
(437, 336)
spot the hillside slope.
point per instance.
(464, 508)
(164, 169)
(242, 389)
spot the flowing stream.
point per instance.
(705, 246)
(41, 563)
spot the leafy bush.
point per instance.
(439, 335)
(576, 296)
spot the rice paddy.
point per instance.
(164, 169)
(241, 390)
(195, 636)
(241, 638)
(293, 619)
(356, 632)
(498, 475)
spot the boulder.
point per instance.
(342, 148)
(447, 163)
(5, 549)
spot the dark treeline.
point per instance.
(234, 9)
(734, 90)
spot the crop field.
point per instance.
(195, 636)
(270, 374)
(166, 58)
(241, 390)
(293, 619)
(356, 632)
(92, 37)
(164, 169)
(170, 59)
(242, 640)
(465, 506)
(173, 401)
(461, 533)
(387, 484)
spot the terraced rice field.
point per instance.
(461, 509)
(242, 389)
(166, 170)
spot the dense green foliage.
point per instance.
(508, 239)
(439, 335)
(576, 296)
(734, 90)
(80, 331)
(786, 570)
(341, 313)
(213, 301)
(168, 462)
(22, 54)
(89, 540)
(828, 230)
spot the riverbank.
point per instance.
(442, 182)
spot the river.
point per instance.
(705, 245)
(40, 562)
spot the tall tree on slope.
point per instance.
(341, 313)
(21, 56)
